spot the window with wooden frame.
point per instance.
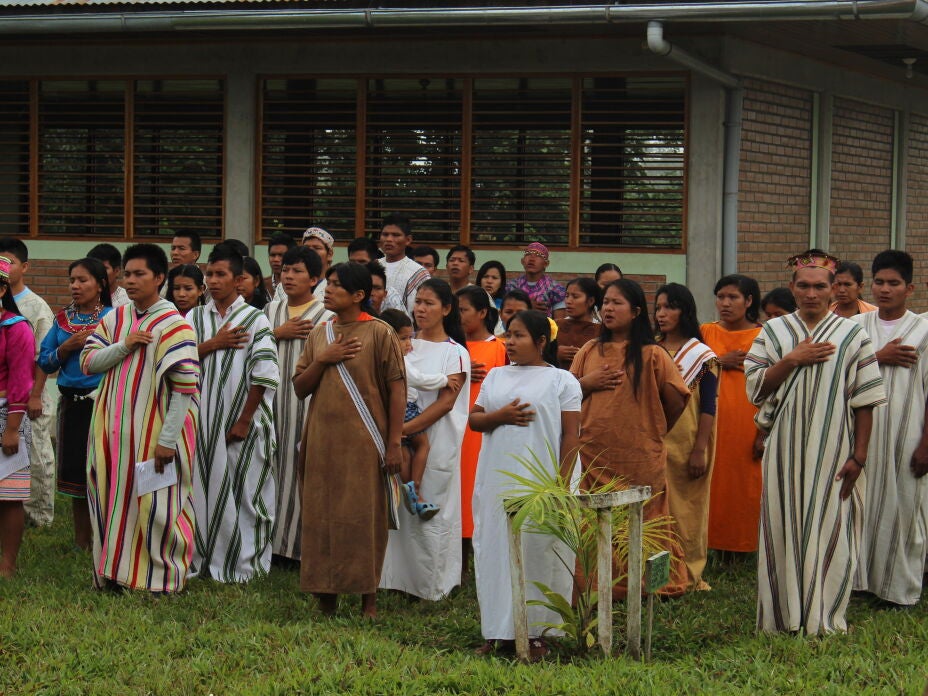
(571, 161)
(112, 158)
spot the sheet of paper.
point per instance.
(15, 462)
(147, 480)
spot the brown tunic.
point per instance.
(344, 527)
(623, 434)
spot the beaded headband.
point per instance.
(4, 268)
(814, 260)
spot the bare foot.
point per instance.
(369, 605)
(6, 572)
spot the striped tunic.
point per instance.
(289, 413)
(809, 537)
(895, 529)
(143, 542)
(234, 482)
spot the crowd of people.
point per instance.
(213, 423)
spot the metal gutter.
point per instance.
(239, 19)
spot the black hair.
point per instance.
(680, 297)
(260, 298)
(185, 270)
(480, 300)
(538, 327)
(780, 297)
(376, 269)
(399, 220)
(852, 269)
(426, 251)
(396, 318)
(364, 244)
(305, 256)
(451, 322)
(471, 256)
(17, 247)
(106, 252)
(95, 268)
(589, 288)
(607, 267)
(896, 260)
(502, 276)
(518, 295)
(195, 243)
(7, 301)
(748, 287)
(281, 239)
(640, 334)
(152, 254)
(239, 246)
(224, 251)
(354, 277)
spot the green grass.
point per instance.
(57, 636)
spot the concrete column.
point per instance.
(705, 191)
(240, 164)
(900, 179)
(821, 172)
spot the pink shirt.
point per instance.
(17, 362)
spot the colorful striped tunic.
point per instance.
(290, 414)
(895, 529)
(809, 537)
(234, 481)
(143, 542)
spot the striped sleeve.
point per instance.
(178, 363)
(866, 386)
(756, 363)
(263, 367)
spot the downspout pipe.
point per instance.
(734, 101)
(300, 18)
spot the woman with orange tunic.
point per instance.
(478, 319)
(734, 497)
(633, 394)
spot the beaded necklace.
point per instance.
(73, 319)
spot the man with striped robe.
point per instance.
(145, 409)
(291, 321)
(815, 379)
(234, 495)
(895, 529)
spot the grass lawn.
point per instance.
(57, 636)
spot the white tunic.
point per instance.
(404, 277)
(895, 529)
(424, 557)
(550, 392)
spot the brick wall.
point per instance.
(916, 231)
(861, 181)
(776, 165)
(49, 279)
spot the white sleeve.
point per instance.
(432, 381)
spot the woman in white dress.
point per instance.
(523, 408)
(425, 559)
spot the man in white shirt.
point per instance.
(403, 274)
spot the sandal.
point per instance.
(410, 499)
(537, 649)
(426, 511)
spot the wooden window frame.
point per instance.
(467, 133)
(129, 153)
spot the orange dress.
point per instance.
(492, 353)
(734, 496)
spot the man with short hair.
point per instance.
(291, 321)
(278, 245)
(460, 262)
(815, 378)
(40, 508)
(145, 411)
(403, 274)
(363, 250)
(234, 495)
(895, 521)
(323, 244)
(426, 257)
(547, 294)
(185, 248)
(111, 259)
